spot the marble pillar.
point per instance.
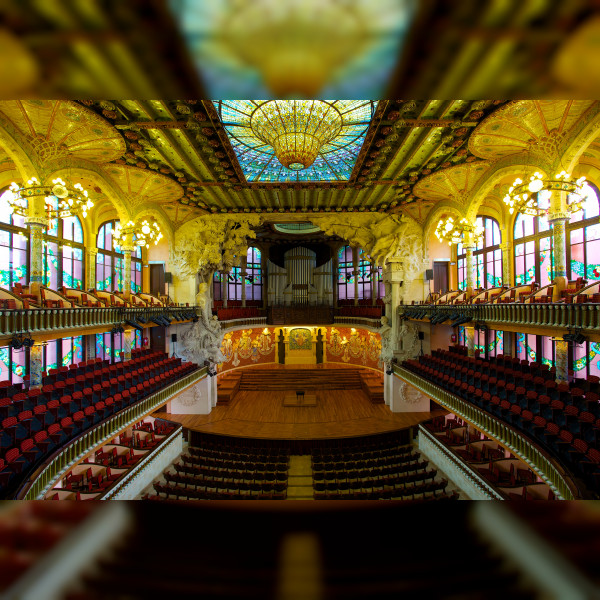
(36, 253)
(127, 250)
(35, 366)
(128, 340)
(90, 268)
(470, 339)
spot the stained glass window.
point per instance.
(12, 365)
(487, 257)
(586, 359)
(334, 162)
(109, 260)
(584, 235)
(534, 255)
(253, 281)
(345, 274)
(109, 346)
(13, 247)
(527, 346)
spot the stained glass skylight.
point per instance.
(335, 159)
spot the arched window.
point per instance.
(14, 246)
(253, 274)
(583, 233)
(345, 273)
(63, 251)
(487, 257)
(109, 260)
(136, 270)
(534, 254)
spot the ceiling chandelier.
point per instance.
(62, 199)
(522, 197)
(463, 231)
(141, 234)
(296, 129)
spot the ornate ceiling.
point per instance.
(177, 157)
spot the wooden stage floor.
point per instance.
(262, 415)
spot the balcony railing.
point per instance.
(522, 447)
(360, 321)
(46, 477)
(50, 320)
(564, 316)
(472, 476)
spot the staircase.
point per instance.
(290, 380)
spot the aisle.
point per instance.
(300, 481)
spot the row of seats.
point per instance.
(433, 490)
(180, 492)
(30, 435)
(508, 475)
(569, 430)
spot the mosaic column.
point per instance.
(506, 248)
(355, 271)
(128, 339)
(36, 253)
(559, 221)
(127, 250)
(470, 338)
(470, 274)
(562, 360)
(90, 268)
(265, 278)
(35, 366)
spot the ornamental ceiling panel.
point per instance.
(455, 183)
(325, 137)
(519, 125)
(141, 185)
(59, 128)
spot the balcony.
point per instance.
(521, 317)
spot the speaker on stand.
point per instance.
(174, 342)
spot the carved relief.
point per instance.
(408, 394)
(207, 244)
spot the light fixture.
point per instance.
(141, 233)
(522, 196)
(297, 130)
(62, 199)
(448, 230)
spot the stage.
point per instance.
(262, 414)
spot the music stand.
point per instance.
(300, 397)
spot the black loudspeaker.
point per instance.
(421, 335)
(169, 277)
(429, 274)
(173, 337)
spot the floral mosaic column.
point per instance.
(470, 337)
(36, 253)
(334, 268)
(506, 248)
(562, 360)
(470, 279)
(127, 250)
(90, 268)
(243, 274)
(35, 366)
(559, 221)
(128, 339)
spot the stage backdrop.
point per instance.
(348, 345)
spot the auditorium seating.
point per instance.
(73, 400)
(509, 476)
(221, 472)
(385, 471)
(562, 418)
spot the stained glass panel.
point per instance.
(334, 161)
